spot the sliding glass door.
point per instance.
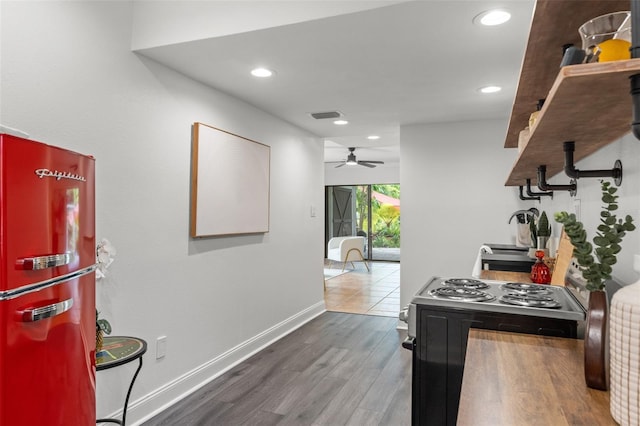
(371, 211)
(385, 222)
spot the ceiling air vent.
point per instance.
(324, 115)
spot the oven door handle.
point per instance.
(409, 343)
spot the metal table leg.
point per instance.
(126, 401)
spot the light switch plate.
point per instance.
(161, 347)
(636, 262)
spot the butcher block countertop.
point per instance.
(523, 379)
(520, 277)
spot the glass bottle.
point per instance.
(540, 273)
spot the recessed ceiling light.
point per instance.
(341, 122)
(490, 89)
(261, 72)
(373, 137)
(492, 17)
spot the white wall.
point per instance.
(70, 79)
(589, 194)
(454, 198)
(157, 23)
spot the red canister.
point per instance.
(540, 273)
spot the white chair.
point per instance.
(346, 249)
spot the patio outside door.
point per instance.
(349, 209)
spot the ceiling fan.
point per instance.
(351, 161)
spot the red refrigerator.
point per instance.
(47, 285)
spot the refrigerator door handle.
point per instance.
(45, 262)
(37, 314)
(51, 282)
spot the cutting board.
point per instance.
(563, 259)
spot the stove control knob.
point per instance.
(404, 315)
(409, 343)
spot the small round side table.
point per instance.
(116, 351)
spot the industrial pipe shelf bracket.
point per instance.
(572, 172)
(544, 186)
(530, 193)
(522, 196)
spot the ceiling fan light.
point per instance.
(490, 89)
(491, 18)
(351, 160)
(261, 72)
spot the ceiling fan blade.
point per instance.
(366, 164)
(351, 159)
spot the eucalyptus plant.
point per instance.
(607, 240)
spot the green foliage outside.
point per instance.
(361, 206)
(385, 217)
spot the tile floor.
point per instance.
(374, 292)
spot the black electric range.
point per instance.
(440, 315)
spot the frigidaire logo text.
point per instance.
(57, 175)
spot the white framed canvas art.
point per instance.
(229, 184)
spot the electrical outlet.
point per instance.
(161, 347)
(636, 262)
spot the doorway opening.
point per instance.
(373, 212)
(370, 211)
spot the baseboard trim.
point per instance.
(165, 396)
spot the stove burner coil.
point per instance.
(465, 283)
(526, 289)
(461, 294)
(530, 301)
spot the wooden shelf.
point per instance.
(589, 104)
(555, 23)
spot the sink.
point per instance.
(506, 247)
(507, 257)
(524, 253)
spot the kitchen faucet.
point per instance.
(523, 215)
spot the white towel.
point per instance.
(477, 268)
(523, 235)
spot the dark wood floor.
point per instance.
(338, 369)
